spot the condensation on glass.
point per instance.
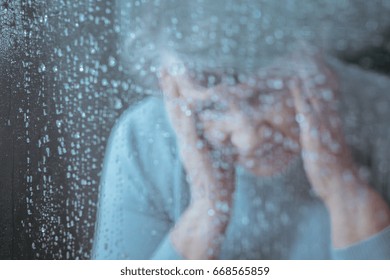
(69, 69)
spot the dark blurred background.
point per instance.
(62, 87)
(61, 90)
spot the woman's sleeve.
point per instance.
(133, 221)
(376, 247)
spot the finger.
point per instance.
(180, 115)
(321, 134)
(302, 105)
(177, 106)
(171, 95)
(307, 121)
(168, 85)
(190, 91)
(319, 83)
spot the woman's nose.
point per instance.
(245, 139)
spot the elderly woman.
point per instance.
(264, 145)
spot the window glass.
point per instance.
(72, 73)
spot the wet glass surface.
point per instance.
(69, 69)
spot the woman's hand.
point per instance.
(210, 172)
(326, 156)
(356, 210)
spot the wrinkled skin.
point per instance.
(259, 123)
(262, 123)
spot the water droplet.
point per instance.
(222, 206)
(111, 61)
(42, 68)
(300, 118)
(275, 84)
(211, 212)
(118, 104)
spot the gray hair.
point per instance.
(243, 35)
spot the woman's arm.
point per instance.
(356, 210)
(200, 231)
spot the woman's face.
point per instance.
(257, 120)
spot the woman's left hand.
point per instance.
(326, 155)
(356, 210)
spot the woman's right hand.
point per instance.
(210, 172)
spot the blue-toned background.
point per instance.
(62, 86)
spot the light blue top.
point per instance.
(144, 192)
